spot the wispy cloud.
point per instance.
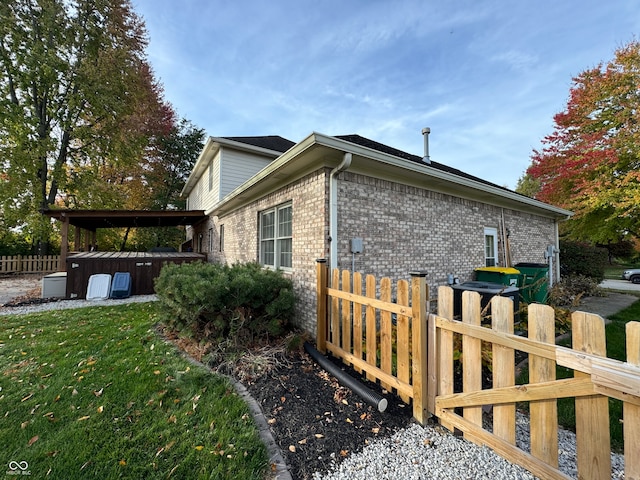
(487, 76)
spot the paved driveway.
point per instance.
(12, 286)
(620, 285)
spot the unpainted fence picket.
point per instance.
(375, 335)
(388, 342)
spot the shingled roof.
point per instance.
(380, 147)
(270, 142)
(280, 144)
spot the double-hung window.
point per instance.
(490, 247)
(276, 234)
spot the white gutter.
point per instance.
(333, 209)
(423, 169)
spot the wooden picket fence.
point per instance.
(364, 337)
(414, 356)
(29, 264)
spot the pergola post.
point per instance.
(64, 244)
(76, 238)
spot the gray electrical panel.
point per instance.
(356, 245)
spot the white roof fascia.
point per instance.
(278, 163)
(425, 169)
(246, 147)
(366, 152)
(198, 168)
(212, 145)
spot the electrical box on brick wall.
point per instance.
(356, 245)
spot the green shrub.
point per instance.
(578, 258)
(12, 243)
(225, 303)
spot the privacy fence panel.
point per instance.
(29, 264)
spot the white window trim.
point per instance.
(276, 255)
(490, 232)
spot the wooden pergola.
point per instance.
(90, 221)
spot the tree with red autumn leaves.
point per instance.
(590, 164)
(83, 122)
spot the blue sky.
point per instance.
(485, 76)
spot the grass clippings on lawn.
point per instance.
(95, 393)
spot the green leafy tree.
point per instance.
(591, 162)
(160, 178)
(165, 167)
(528, 185)
(73, 86)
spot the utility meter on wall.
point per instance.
(356, 245)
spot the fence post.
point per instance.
(592, 412)
(321, 292)
(631, 413)
(419, 345)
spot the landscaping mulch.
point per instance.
(316, 421)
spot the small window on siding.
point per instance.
(211, 176)
(276, 237)
(490, 247)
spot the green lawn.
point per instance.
(614, 272)
(95, 393)
(616, 348)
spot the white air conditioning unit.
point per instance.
(54, 285)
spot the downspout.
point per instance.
(555, 279)
(333, 209)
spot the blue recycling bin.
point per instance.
(121, 285)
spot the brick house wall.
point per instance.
(403, 228)
(406, 228)
(309, 199)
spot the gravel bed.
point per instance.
(418, 453)
(78, 303)
(413, 453)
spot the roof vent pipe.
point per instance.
(425, 133)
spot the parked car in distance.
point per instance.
(633, 275)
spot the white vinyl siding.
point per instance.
(227, 170)
(276, 237)
(237, 168)
(206, 192)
